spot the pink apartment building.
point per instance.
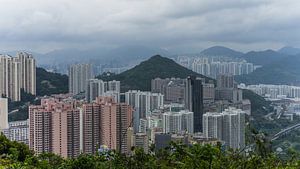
(54, 126)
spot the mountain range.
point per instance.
(130, 54)
(278, 67)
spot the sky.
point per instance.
(174, 25)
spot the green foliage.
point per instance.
(140, 76)
(48, 83)
(18, 156)
(13, 150)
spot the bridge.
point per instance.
(285, 131)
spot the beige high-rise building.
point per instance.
(3, 114)
(27, 72)
(17, 73)
(10, 77)
(54, 126)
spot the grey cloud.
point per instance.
(174, 24)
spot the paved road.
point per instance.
(285, 131)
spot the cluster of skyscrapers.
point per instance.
(95, 116)
(274, 91)
(16, 74)
(68, 127)
(214, 66)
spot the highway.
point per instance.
(285, 131)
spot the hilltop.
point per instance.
(263, 57)
(141, 75)
(221, 51)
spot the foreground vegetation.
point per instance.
(17, 155)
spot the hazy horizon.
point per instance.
(176, 26)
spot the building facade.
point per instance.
(18, 131)
(228, 126)
(178, 122)
(79, 75)
(3, 113)
(98, 87)
(54, 126)
(194, 100)
(144, 102)
(16, 74)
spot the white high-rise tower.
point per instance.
(79, 75)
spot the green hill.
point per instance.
(258, 104)
(141, 75)
(48, 83)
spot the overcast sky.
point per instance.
(176, 25)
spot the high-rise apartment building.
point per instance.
(27, 72)
(79, 75)
(3, 114)
(171, 88)
(114, 86)
(225, 81)
(227, 89)
(91, 114)
(208, 92)
(124, 121)
(113, 94)
(234, 128)
(212, 67)
(17, 73)
(98, 87)
(95, 88)
(18, 131)
(228, 126)
(143, 103)
(194, 100)
(141, 140)
(213, 125)
(54, 126)
(176, 122)
(105, 122)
